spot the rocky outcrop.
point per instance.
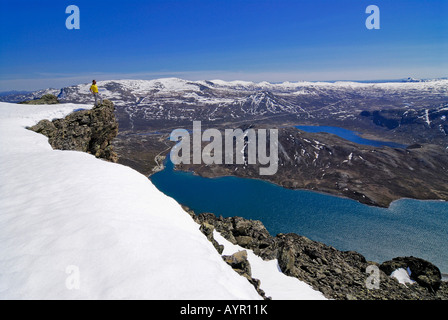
(207, 230)
(342, 274)
(337, 274)
(90, 131)
(238, 261)
(423, 272)
(249, 234)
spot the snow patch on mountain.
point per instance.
(402, 275)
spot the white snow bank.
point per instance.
(402, 276)
(76, 227)
(274, 283)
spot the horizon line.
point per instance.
(36, 84)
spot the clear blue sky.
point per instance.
(259, 40)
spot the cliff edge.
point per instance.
(340, 275)
(90, 131)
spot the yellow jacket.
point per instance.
(94, 88)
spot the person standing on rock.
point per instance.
(96, 94)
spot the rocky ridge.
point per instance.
(340, 275)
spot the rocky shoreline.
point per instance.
(339, 275)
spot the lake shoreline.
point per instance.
(328, 193)
(197, 193)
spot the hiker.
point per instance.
(96, 94)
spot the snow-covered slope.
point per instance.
(275, 283)
(76, 227)
(64, 211)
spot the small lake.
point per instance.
(350, 135)
(407, 228)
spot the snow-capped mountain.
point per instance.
(410, 79)
(144, 105)
(217, 92)
(15, 97)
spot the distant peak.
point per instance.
(410, 79)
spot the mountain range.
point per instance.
(410, 112)
(142, 103)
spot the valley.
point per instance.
(412, 113)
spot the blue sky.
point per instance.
(262, 40)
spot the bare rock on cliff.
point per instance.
(239, 262)
(90, 131)
(45, 99)
(337, 274)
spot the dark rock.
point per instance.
(90, 131)
(423, 272)
(250, 234)
(207, 230)
(337, 274)
(238, 261)
(414, 146)
(326, 163)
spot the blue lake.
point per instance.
(350, 135)
(407, 228)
